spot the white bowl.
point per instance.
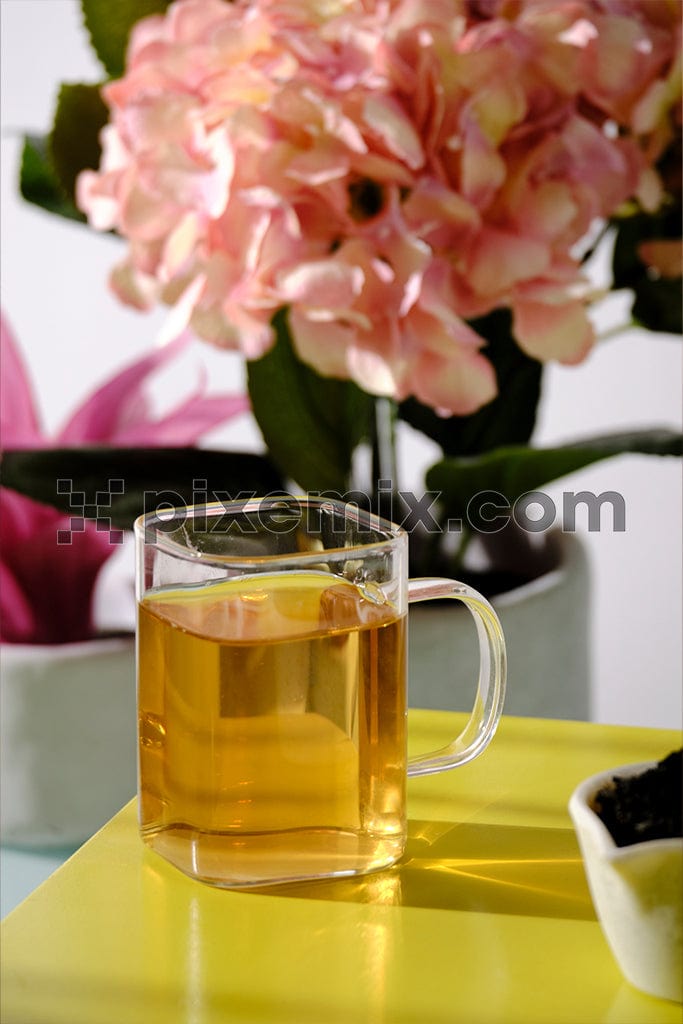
(637, 892)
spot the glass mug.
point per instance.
(272, 696)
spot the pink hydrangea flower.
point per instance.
(386, 169)
(46, 587)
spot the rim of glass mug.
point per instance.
(488, 704)
(386, 531)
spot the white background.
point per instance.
(73, 334)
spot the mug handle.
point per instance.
(488, 704)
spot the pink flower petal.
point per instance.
(319, 165)
(458, 385)
(100, 416)
(325, 284)
(441, 216)
(17, 619)
(447, 372)
(559, 331)
(194, 17)
(385, 116)
(372, 371)
(134, 287)
(483, 170)
(19, 427)
(117, 412)
(498, 259)
(322, 346)
(97, 197)
(178, 248)
(142, 213)
(53, 576)
(547, 211)
(188, 421)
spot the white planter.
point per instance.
(67, 739)
(547, 627)
(636, 892)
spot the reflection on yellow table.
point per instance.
(486, 919)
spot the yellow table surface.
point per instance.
(487, 919)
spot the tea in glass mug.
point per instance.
(272, 692)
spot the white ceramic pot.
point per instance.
(67, 739)
(636, 892)
(546, 625)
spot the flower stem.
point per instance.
(384, 455)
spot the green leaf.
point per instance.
(121, 483)
(515, 470)
(657, 305)
(38, 181)
(109, 23)
(74, 140)
(50, 166)
(657, 300)
(311, 424)
(509, 418)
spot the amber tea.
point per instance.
(272, 727)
